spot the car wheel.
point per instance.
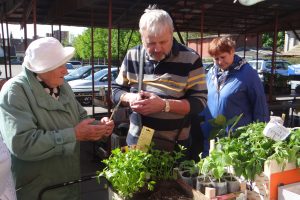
(84, 101)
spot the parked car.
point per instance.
(282, 67)
(69, 67)
(264, 66)
(75, 63)
(83, 88)
(83, 72)
(207, 66)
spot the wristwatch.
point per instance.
(167, 106)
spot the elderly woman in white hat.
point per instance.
(41, 122)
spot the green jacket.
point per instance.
(39, 132)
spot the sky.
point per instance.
(41, 30)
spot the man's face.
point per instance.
(224, 59)
(54, 78)
(159, 45)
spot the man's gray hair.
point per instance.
(154, 19)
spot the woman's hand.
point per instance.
(87, 130)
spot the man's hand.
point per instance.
(129, 98)
(148, 103)
(86, 131)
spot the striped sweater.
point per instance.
(179, 76)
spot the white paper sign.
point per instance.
(274, 119)
(276, 131)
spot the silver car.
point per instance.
(83, 89)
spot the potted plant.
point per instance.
(188, 171)
(134, 174)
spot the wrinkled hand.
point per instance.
(109, 125)
(86, 131)
(148, 104)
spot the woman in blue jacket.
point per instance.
(234, 87)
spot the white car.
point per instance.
(83, 89)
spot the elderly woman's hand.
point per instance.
(86, 131)
(109, 125)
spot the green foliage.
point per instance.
(127, 172)
(132, 170)
(249, 149)
(214, 165)
(267, 40)
(82, 43)
(278, 81)
(220, 124)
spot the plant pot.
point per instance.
(172, 189)
(189, 178)
(233, 185)
(202, 182)
(221, 187)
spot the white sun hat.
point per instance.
(46, 54)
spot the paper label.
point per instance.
(274, 119)
(276, 131)
(145, 138)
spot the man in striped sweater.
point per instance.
(173, 82)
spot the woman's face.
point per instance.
(54, 78)
(224, 59)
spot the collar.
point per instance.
(44, 99)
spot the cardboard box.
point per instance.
(289, 192)
(265, 186)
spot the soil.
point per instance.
(167, 190)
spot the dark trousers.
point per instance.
(197, 138)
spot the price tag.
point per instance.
(274, 119)
(145, 138)
(276, 131)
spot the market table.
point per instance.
(286, 104)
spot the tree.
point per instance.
(82, 43)
(267, 40)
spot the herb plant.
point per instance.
(127, 172)
(130, 171)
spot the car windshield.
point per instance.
(97, 75)
(78, 71)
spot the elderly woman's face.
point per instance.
(158, 46)
(54, 78)
(224, 59)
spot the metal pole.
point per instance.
(4, 49)
(257, 49)
(273, 58)
(92, 57)
(34, 18)
(8, 49)
(109, 67)
(109, 52)
(59, 27)
(202, 28)
(245, 44)
(118, 48)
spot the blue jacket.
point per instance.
(241, 92)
